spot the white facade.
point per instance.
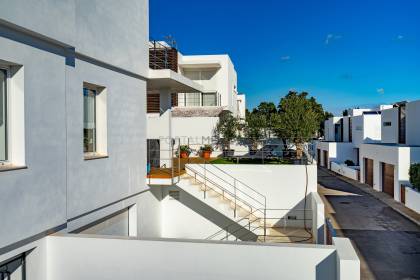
(48, 184)
(392, 151)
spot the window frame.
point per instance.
(6, 161)
(95, 150)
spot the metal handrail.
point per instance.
(232, 185)
(234, 223)
(235, 191)
(245, 185)
(224, 189)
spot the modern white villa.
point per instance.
(80, 102)
(381, 143)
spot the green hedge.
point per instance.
(415, 175)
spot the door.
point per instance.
(318, 157)
(388, 178)
(369, 171)
(153, 152)
(402, 194)
(326, 159)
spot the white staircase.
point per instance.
(242, 205)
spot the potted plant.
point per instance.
(184, 151)
(206, 151)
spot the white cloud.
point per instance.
(331, 37)
(285, 58)
(380, 90)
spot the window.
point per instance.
(192, 99)
(94, 121)
(387, 124)
(89, 120)
(3, 115)
(209, 99)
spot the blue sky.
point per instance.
(346, 53)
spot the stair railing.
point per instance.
(247, 196)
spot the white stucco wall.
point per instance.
(389, 133)
(192, 260)
(412, 124)
(59, 186)
(366, 129)
(84, 22)
(195, 128)
(412, 199)
(399, 156)
(337, 151)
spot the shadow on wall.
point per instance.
(323, 269)
(214, 216)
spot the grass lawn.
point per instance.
(250, 161)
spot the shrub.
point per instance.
(415, 175)
(185, 148)
(349, 162)
(206, 147)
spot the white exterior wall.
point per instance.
(366, 129)
(337, 151)
(412, 124)
(399, 156)
(224, 81)
(199, 129)
(330, 128)
(412, 199)
(59, 190)
(241, 106)
(389, 133)
(140, 258)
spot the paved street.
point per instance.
(387, 243)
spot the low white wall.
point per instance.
(348, 263)
(344, 170)
(282, 185)
(187, 217)
(412, 199)
(318, 218)
(113, 258)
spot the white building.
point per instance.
(74, 202)
(385, 165)
(344, 136)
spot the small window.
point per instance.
(94, 121)
(209, 99)
(89, 120)
(3, 116)
(387, 124)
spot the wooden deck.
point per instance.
(166, 173)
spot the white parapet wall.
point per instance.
(348, 263)
(347, 171)
(318, 218)
(92, 257)
(412, 199)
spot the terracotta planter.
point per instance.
(206, 154)
(184, 154)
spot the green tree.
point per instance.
(226, 129)
(269, 111)
(415, 175)
(254, 128)
(299, 119)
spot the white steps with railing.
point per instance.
(234, 200)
